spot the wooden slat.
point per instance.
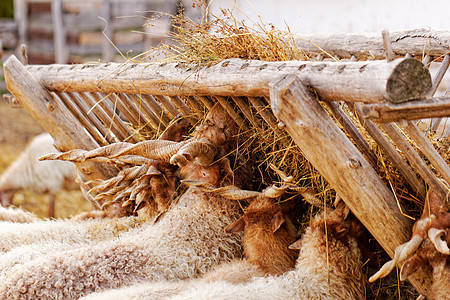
(440, 73)
(183, 108)
(327, 148)
(165, 101)
(206, 101)
(93, 118)
(195, 105)
(230, 110)
(103, 101)
(103, 115)
(264, 110)
(93, 131)
(157, 109)
(126, 106)
(390, 151)
(427, 149)
(157, 123)
(350, 128)
(246, 110)
(414, 158)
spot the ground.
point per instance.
(17, 128)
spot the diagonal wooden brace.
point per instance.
(327, 148)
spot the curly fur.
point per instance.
(20, 243)
(321, 272)
(187, 242)
(328, 267)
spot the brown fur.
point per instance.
(267, 236)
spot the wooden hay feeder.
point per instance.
(78, 105)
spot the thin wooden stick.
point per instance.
(165, 101)
(82, 105)
(246, 110)
(387, 45)
(81, 117)
(101, 100)
(414, 159)
(265, 111)
(145, 111)
(398, 161)
(361, 143)
(425, 146)
(230, 110)
(157, 109)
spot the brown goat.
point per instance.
(267, 236)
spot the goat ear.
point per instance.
(236, 226)
(410, 266)
(296, 245)
(277, 220)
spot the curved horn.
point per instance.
(153, 149)
(131, 159)
(152, 170)
(230, 192)
(107, 151)
(76, 155)
(435, 236)
(203, 150)
(274, 191)
(402, 252)
(284, 177)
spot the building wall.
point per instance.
(342, 15)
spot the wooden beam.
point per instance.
(412, 110)
(370, 45)
(372, 81)
(327, 148)
(66, 131)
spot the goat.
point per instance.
(267, 236)
(186, 242)
(429, 244)
(27, 172)
(24, 242)
(328, 267)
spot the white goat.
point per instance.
(328, 267)
(27, 172)
(20, 243)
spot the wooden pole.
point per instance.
(412, 110)
(372, 81)
(59, 34)
(364, 45)
(342, 165)
(66, 131)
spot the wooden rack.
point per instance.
(90, 105)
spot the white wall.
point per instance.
(342, 15)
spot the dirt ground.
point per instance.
(17, 128)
